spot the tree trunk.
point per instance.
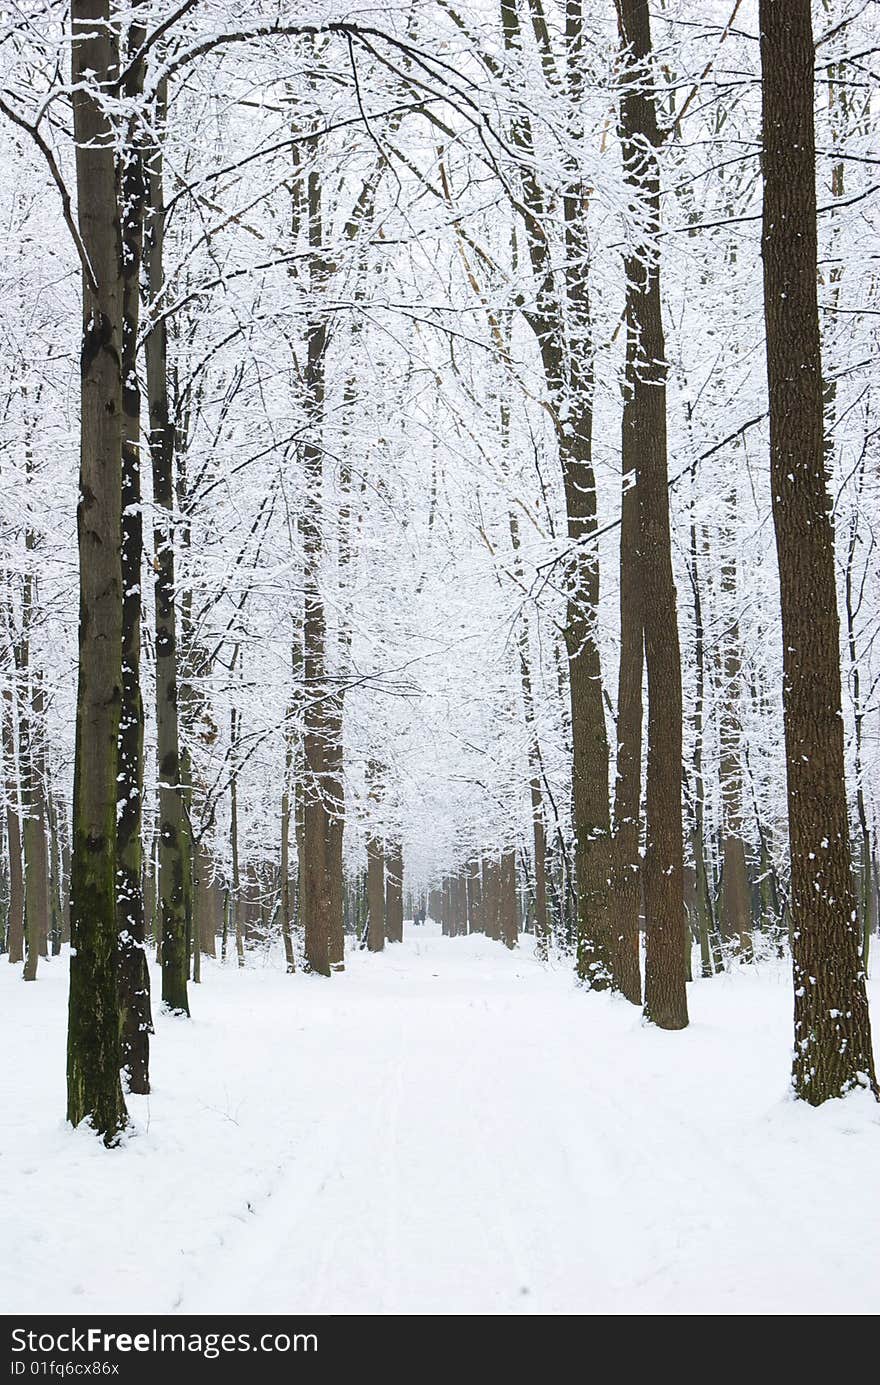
(376, 894)
(133, 975)
(315, 872)
(286, 902)
(174, 869)
(394, 893)
(568, 373)
(235, 900)
(508, 902)
(736, 894)
(13, 829)
(627, 861)
(94, 1091)
(33, 798)
(832, 1032)
(663, 868)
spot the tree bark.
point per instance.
(832, 1032)
(735, 889)
(394, 893)
(663, 868)
(94, 1091)
(627, 861)
(174, 867)
(508, 901)
(136, 1021)
(315, 873)
(13, 829)
(375, 894)
(561, 323)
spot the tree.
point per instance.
(94, 1091)
(832, 1032)
(663, 869)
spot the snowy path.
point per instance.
(447, 1128)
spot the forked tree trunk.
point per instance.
(94, 1091)
(832, 1031)
(663, 868)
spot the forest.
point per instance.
(439, 505)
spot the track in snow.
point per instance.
(446, 1128)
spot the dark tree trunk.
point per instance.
(832, 1032)
(394, 893)
(15, 941)
(376, 894)
(508, 901)
(94, 1091)
(136, 1021)
(663, 868)
(174, 867)
(562, 310)
(626, 877)
(315, 869)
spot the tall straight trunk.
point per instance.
(94, 1091)
(832, 1031)
(286, 902)
(536, 798)
(136, 1021)
(394, 893)
(13, 828)
(315, 871)
(663, 867)
(376, 893)
(31, 735)
(710, 940)
(334, 795)
(626, 877)
(36, 844)
(735, 888)
(174, 868)
(56, 873)
(236, 904)
(851, 602)
(568, 373)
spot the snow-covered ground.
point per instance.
(447, 1128)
